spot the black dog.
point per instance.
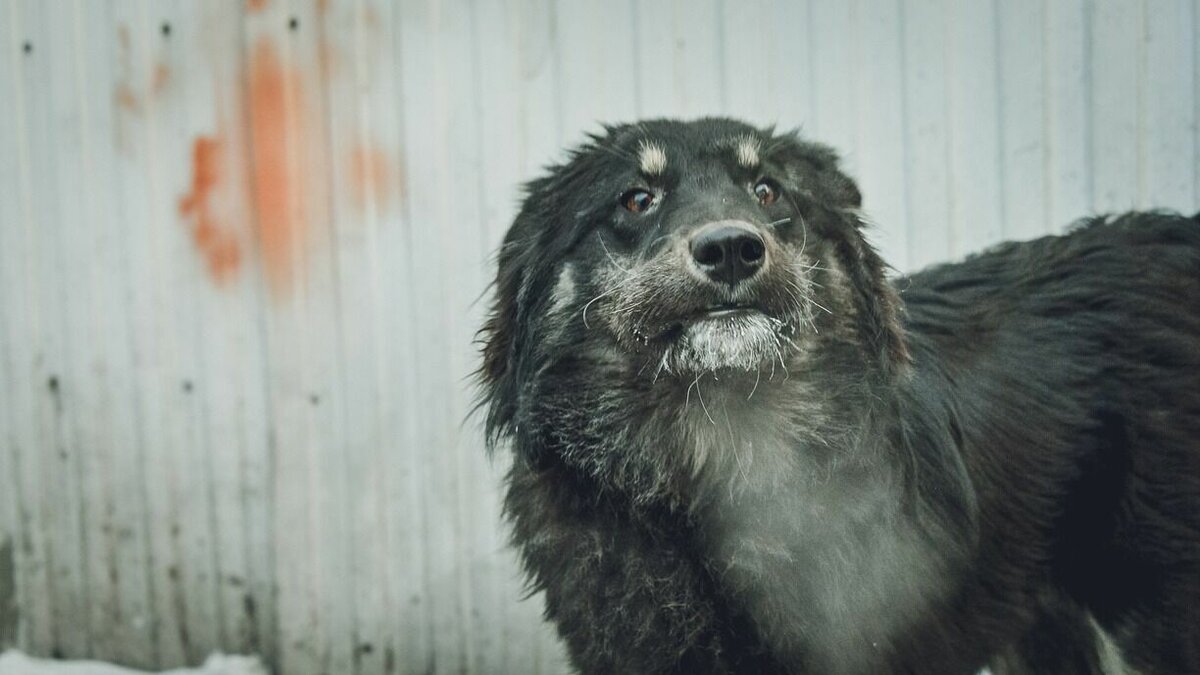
(739, 447)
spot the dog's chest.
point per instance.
(812, 551)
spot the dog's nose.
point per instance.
(728, 253)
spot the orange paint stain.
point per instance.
(127, 100)
(133, 93)
(327, 59)
(216, 244)
(279, 161)
(160, 79)
(257, 5)
(370, 177)
(371, 17)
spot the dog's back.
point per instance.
(1088, 342)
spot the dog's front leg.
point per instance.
(624, 592)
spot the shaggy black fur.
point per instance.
(994, 462)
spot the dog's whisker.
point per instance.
(700, 397)
(757, 377)
(589, 304)
(733, 446)
(819, 305)
(611, 259)
(662, 365)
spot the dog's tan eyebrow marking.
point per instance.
(745, 148)
(652, 159)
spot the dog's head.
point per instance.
(666, 250)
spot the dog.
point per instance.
(739, 446)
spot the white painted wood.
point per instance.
(283, 461)
(926, 134)
(1022, 92)
(132, 34)
(972, 72)
(53, 122)
(834, 41)
(120, 608)
(1068, 84)
(436, 108)
(678, 49)
(750, 65)
(1166, 91)
(880, 118)
(1117, 58)
(794, 103)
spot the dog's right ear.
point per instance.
(498, 338)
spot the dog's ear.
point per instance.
(498, 339)
(832, 182)
(818, 167)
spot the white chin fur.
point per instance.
(741, 342)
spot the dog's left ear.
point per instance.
(833, 183)
(818, 167)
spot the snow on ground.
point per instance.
(16, 663)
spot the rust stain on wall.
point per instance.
(257, 5)
(127, 100)
(133, 92)
(371, 177)
(160, 79)
(215, 243)
(279, 162)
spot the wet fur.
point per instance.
(994, 461)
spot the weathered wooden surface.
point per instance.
(241, 246)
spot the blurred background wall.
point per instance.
(242, 243)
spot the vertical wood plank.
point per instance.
(881, 119)
(137, 189)
(678, 64)
(833, 44)
(1167, 174)
(229, 311)
(750, 61)
(408, 554)
(120, 605)
(794, 99)
(1022, 118)
(174, 37)
(432, 117)
(366, 170)
(287, 147)
(1068, 95)
(975, 177)
(926, 134)
(1117, 56)
(53, 123)
(22, 444)
(595, 50)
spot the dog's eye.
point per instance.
(767, 191)
(637, 200)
